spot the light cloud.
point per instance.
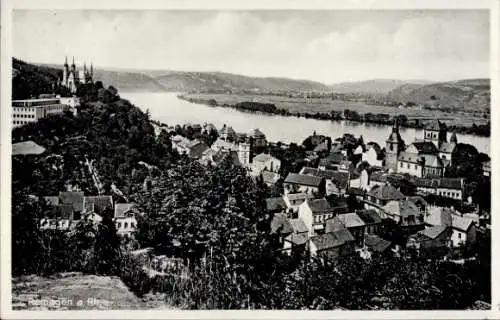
(328, 46)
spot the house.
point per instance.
(336, 182)
(380, 195)
(430, 237)
(447, 149)
(309, 184)
(294, 200)
(180, 143)
(314, 213)
(487, 168)
(333, 161)
(258, 138)
(376, 244)
(371, 219)
(374, 155)
(281, 227)
(452, 188)
(99, 204)
(125, 218)
(403, 212)
(60, 217)
(420, 203)
(332, 245)
(357, 192)
(265, 162)
(75, 199)
(463, 230)
(227, 133)
(196, 149)
(420, 165)
(270, 178)
(350, 221)
(296, 241)
(435, 132)
(224, 145)
(275, 205)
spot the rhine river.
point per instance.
(167, 108)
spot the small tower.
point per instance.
(244, 148)
(453, 138)
(73, 67)
(394, 145)
(436, 132)
(65, 72)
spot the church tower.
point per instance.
(394, 145)
(65, 72)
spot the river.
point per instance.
(167, 108)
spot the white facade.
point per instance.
(413, 169)
(370, 156)
(306, 215)
(460, 237)
(267, 163)
(32, 110)
(126, 225)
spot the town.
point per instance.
(152, 202)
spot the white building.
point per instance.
(265, 162)
(125, 218)
(32, 110)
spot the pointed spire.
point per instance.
(66, 60)
(453, 138)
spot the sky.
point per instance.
(326, 46)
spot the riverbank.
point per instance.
(477, 129)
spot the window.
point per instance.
(125, 225)
(459, 235)
(119, 225)
(408, 165)
(401, 164)
(415, 166)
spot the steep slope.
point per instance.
(29, 80)
(470, 95)
(375, 86)
(128, 81)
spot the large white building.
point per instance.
(32, 110)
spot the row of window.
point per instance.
(449, 194)
(31, 116)
(21, 122)
(322, 217)
(125, 225)
(25, 109)
(407, 165)
(431, 135)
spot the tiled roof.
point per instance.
(196, 150)
(27, 148)
(435, 125)
(369, 216)
(440, 216)
(425, 147)
(376, 243)
(378, 176)
(461, 223)
(402, 208)
(61, 211)
(432, 232)
(302, 179)
(122, 208)
(448, 183)
(332, 225)
(319, 206)
(333, 158)
(270, 177)
(299, 238)
(350, 220)
(418, 200)
(221, 144)
(263, 157)
(332, 239)
(73, 198)
(431, 160)
(52, 200)
(298, 225)
(386, 192)
(339, 178)
(280, 224)
(100, 203)
(277, 203)
(256, 133)
(356, 191)
(447, 147)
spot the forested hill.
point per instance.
(29, 80)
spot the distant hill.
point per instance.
(469, 94)
(374, 86)
(30, 80)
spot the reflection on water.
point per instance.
(167, 108)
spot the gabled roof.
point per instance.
(339, 178)
(296, 196)
(435, 125)
(222, 144)
(27, 148)
(356, 191)
(280, 224)
(319, 206)
(52, 200)
(447, 147)
(425, 147)
(418, 200)
(302, 179)
(270, 177)
(402, 208)
(461, 223)
(299, 238)
(61, 211)
(432, 232)
(100, 203)
(378, 176)
(332, 239)
(73, 198)
(349, 220)
(376, 243)
(333, 158)
(256, 133)
(386, 192)
(447, 183)
(298, 226)
(274, 204)
(431, 160)
(264, 157)
(122, 208)
(369, 216)
(227, 130)
(196, 150)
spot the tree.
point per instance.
(107, 253)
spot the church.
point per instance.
(73, 76)
(425, 158)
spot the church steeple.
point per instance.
(66, 61)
